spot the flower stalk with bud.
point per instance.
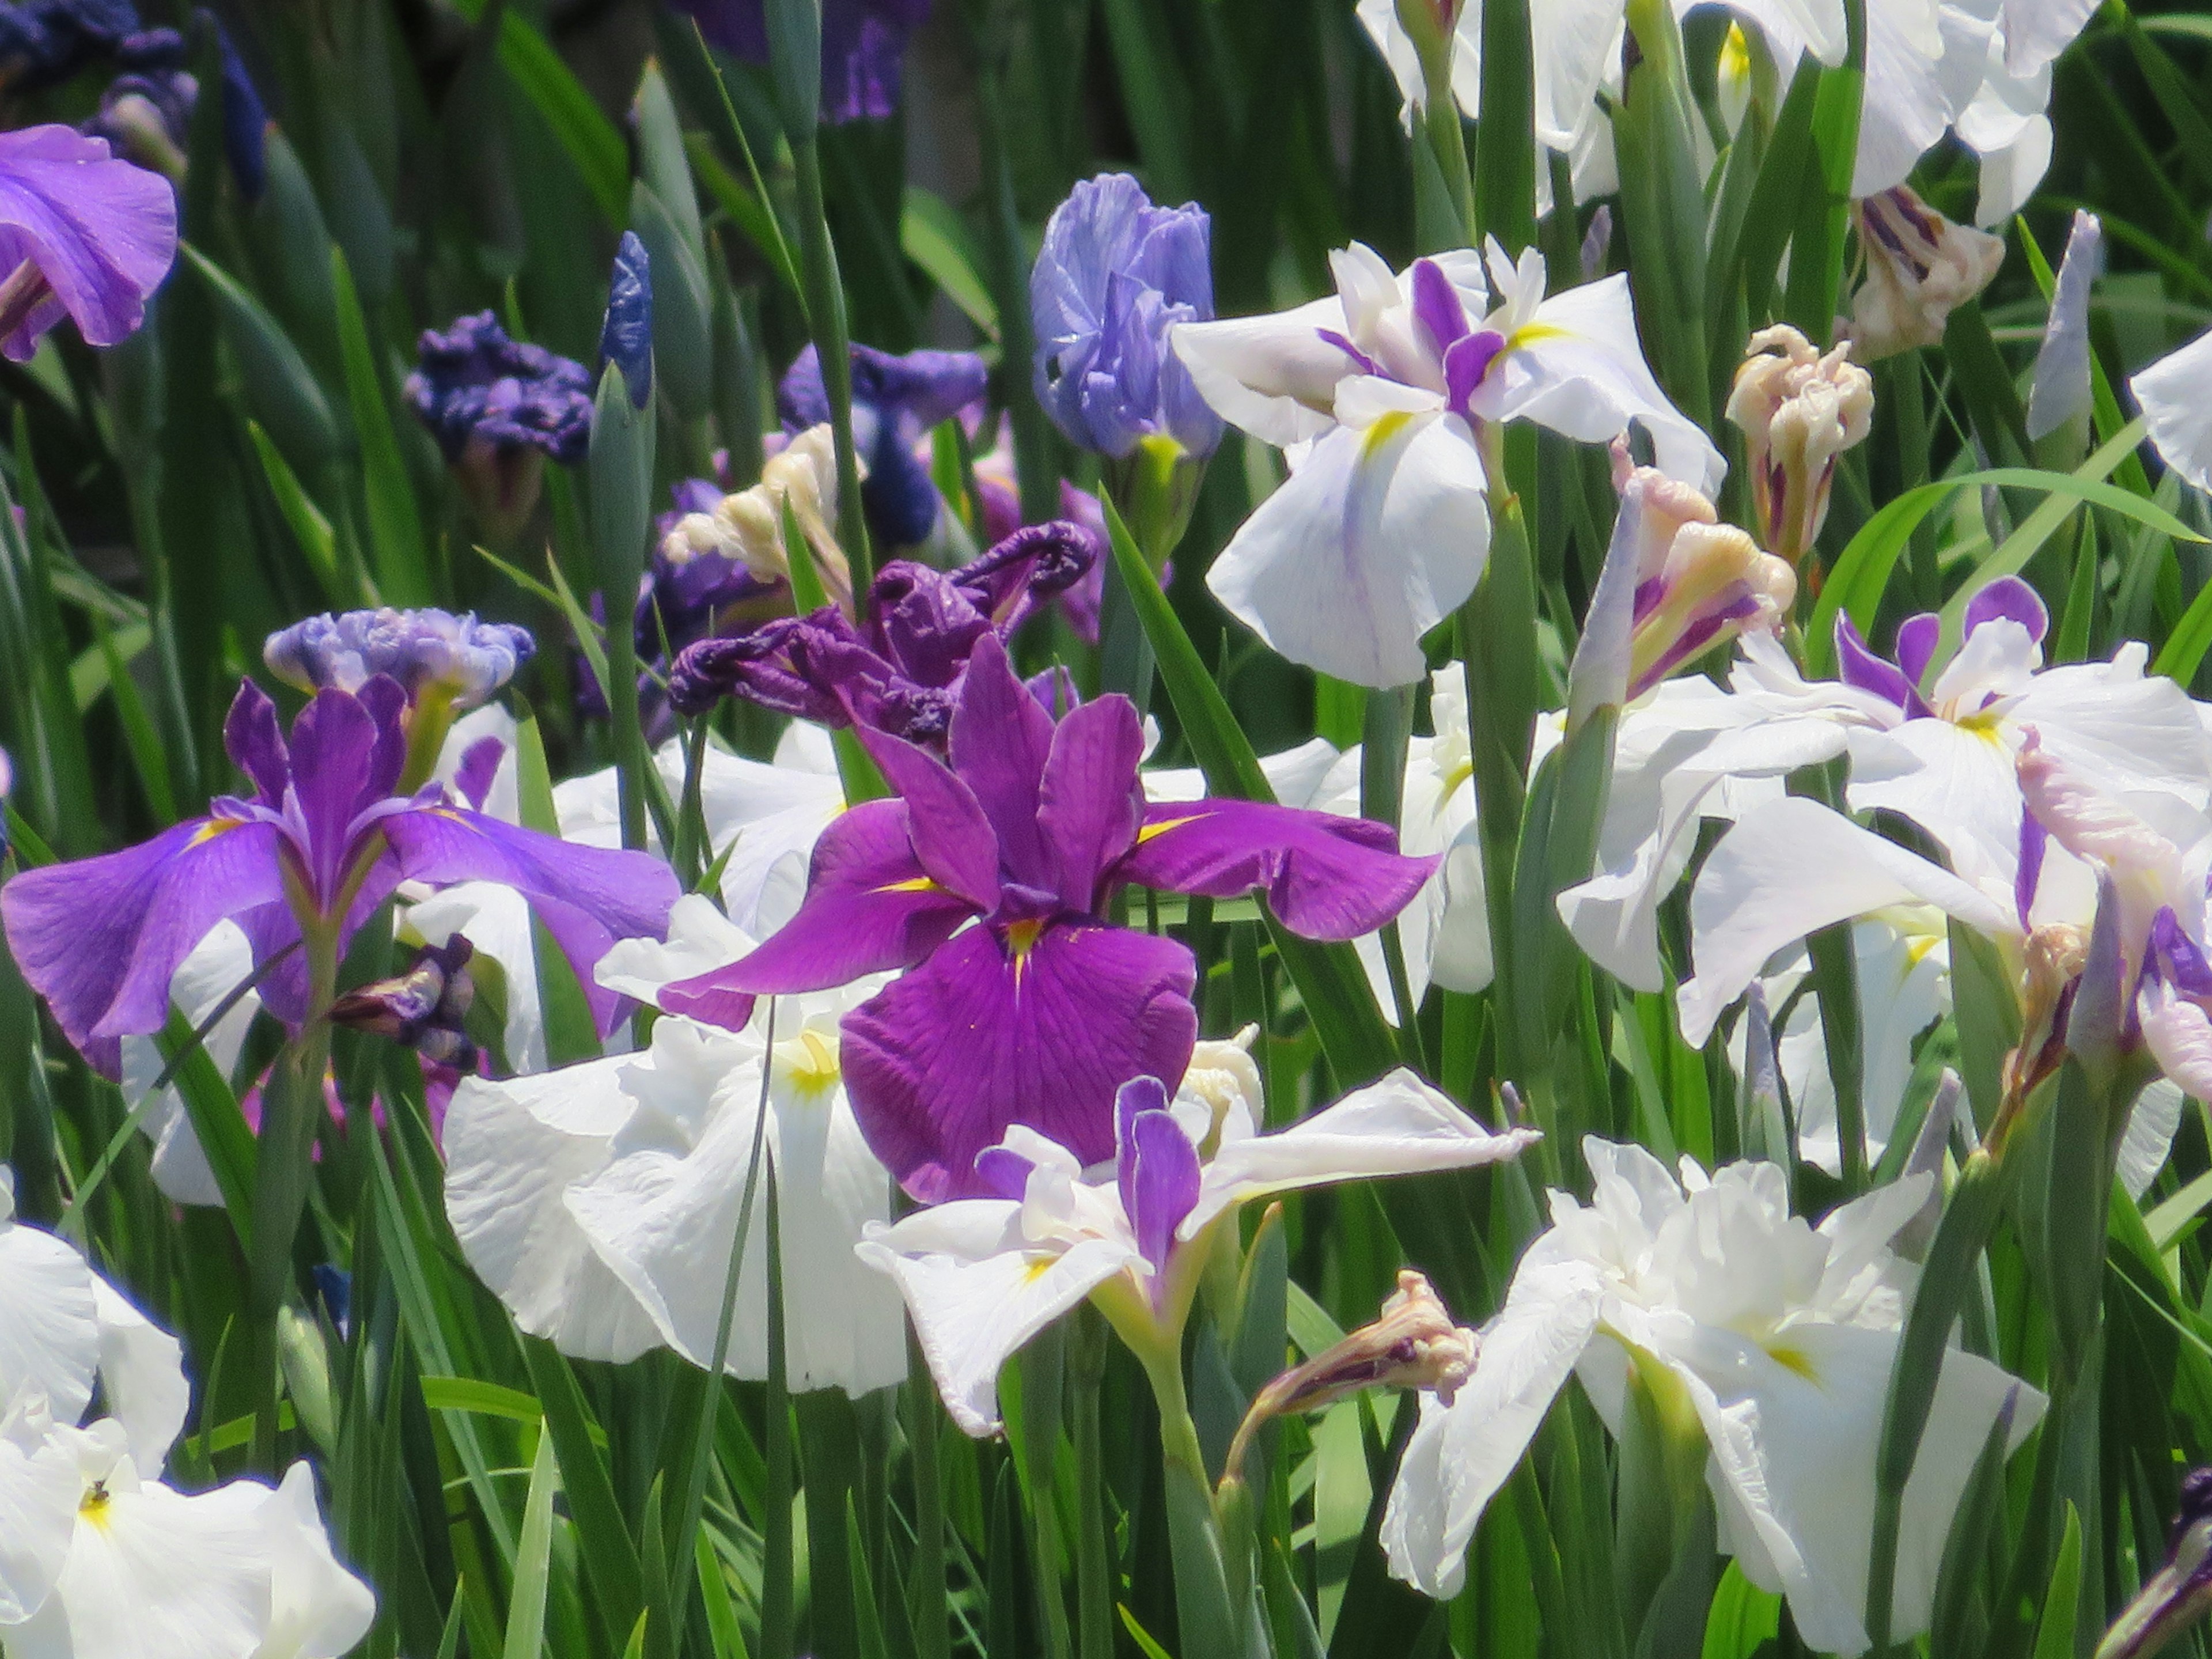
(1799, 408)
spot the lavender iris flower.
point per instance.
(476, 388)
(1040, 1012)
(862, 43)
(1115, 274)
(81, 233)
(895, 399)
(321, 843)
(459, 658)
(900, 671)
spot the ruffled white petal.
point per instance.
(39, 1493)
(1274, 376)
(2153, 1123)
(50, 1335)
(512, 1151)
(2177, 415)
(141, 1375)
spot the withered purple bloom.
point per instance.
(1040, 1013)
(320, 844)
(895, 399)
(477, 389)
(80, 234)
(900, 671)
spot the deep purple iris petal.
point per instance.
(1090, 802)
(2179, 960)
(1466, 365)
(951, 835)
(102, 232)
(1029, 566)
(2010, 599)
(256, 744)
(1137, 1096)
(1858, 666)
(1916, 644)
(1436, 306)
(590, 896)
(387, 702)
(99, 937)
(870, 907)
(923, 623)
(1162, 1186)
(1325, 877)
(332, 741)
(981, 1036)
(479, 767)
(273, 933)
(1000, 739)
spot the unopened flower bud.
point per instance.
(2050, 965)
(1699, 583)
(1412, 1344)
(1800, 409)
(432, 654)
(1919, 268)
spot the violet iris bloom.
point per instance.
(477, 389)
(2005, 600)
(81, 233)
(900, 671)
(321, 843)
(895, 399)
(1115, 274)
(1041, 1011)
(863, 42)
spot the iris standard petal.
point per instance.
(1001, 736)
(953, 839)
(870, 907)
(1090, 801)
(985, 1035)
(1377, 535)
(99, 938)
(1325, 877)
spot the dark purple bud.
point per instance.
(626, 335)
(44, 42)
(424, 1008)
(863, 46)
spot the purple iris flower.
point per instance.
(895, 400)
(2005, 600)
(1039, 1013)
(320, 844)
(1115, 274)
(863, 42)
(476, 388)
(44, 42)
(81, 233)
(900, 671)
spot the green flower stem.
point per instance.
(825, 316)
(292, 1106)
(1094, 1584)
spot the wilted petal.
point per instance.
(986, 1034)
(1397, 1126)
(1377, 535)
(1324, 876)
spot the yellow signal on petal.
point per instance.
(1164, 825)
(912, 884)
(1021, 939)
(214, 827)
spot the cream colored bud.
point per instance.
(1919, 268)
(748, 526)
(1799, 408)
(1225, 1078)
